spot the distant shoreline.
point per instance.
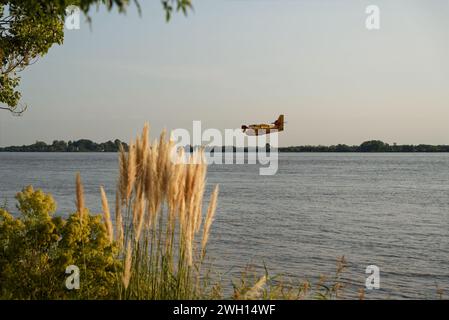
(239, 151)
(88, 146)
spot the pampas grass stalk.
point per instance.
(164, 227)
(79, 196)
(119, 220)
(131, 170)
(127, 266)
(208, 222)
(106, 215)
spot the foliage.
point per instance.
(29, 28)
(85, 145)
(36, 248)
(373, 146)
(82, 145)
(369, 146)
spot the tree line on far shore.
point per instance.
(369, 146)
(85, 145)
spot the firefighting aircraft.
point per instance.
(264, 128)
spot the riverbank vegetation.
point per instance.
(82, 145)
(85, 145)
(369, 146)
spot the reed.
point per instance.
(106, 215)
(79, 196)
(159, 223)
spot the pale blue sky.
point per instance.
(233, 61)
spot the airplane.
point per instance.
(264, 128)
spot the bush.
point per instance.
(36, 248)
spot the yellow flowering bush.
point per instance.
(37, 247)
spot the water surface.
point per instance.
(390, 210)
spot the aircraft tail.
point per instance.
(280, 122)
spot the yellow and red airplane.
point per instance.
(264, 128)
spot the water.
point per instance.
(390, 210)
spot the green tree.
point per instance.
(29, 28)
(374, 146)
(59, 146)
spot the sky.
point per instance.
(234, 62)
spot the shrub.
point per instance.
(36, 248)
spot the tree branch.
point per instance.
(14, 111)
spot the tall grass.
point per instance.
(160, 227)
